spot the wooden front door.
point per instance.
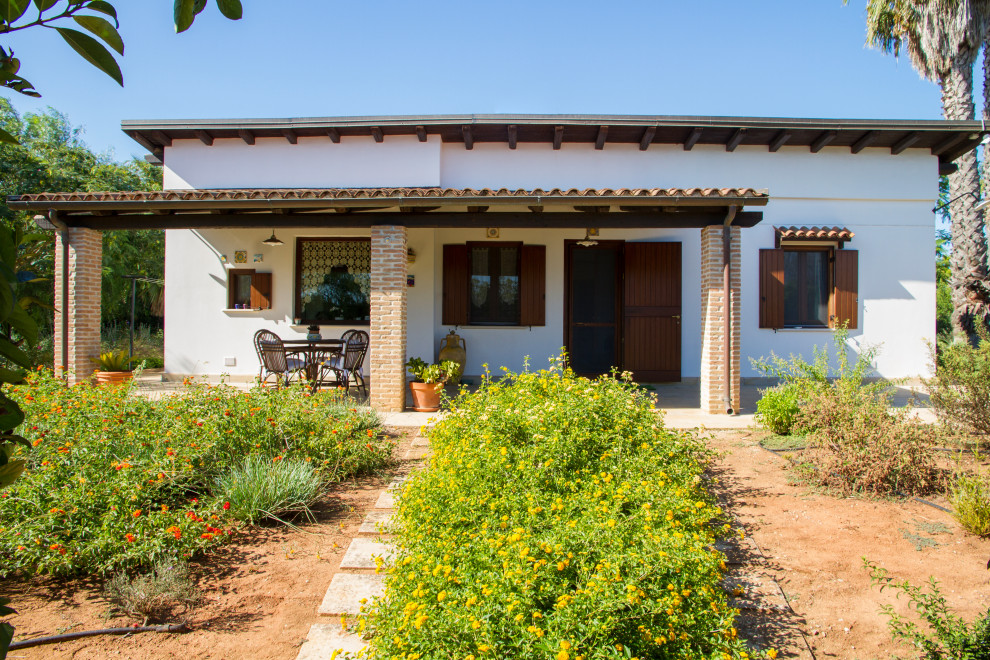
(623, 309)
(592, 328)
(651, 312)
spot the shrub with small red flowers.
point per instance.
(118, 482)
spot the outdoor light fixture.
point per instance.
(588, 241)
(273, 241)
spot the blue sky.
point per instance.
(308, 58)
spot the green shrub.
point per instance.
(558, 519)
(264, 487)
(857, 445)
(777, 409)
(970, 498)
(947, 635)
(153, 596)
(960, 390)
(116, 481)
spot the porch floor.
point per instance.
(680, 402)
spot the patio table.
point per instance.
(314, 352)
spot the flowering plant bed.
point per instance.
(115, 481)
(559, 519)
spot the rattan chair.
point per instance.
(275, 360)
(349, 364)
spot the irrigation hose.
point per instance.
(54, 639)
(780, 452)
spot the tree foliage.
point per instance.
(51, 155)
(98, 41)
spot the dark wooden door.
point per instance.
(651, 311)
(592, 326)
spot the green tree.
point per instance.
(51, 155)
(96, 42)
(943, 39)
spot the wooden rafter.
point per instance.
(204, 137)
(333, 134)
(290, 135)
(644, 142)
(736, 138)
(905, 142)
(602, 136)
(822, 140)
(779, 140)
(558, 137)
(421, 133)
(161, 138)
(468, 137)
(246, 135)
(376, 132)
(945, 145)
(477, 209)
(868, 138)
(692, 138)
(513, 132)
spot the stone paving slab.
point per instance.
(410, 419)
(325, 639)
(346, 591)
(420, 441)
(398, 482)
(417, 453)
(374, 520)
(386, 500)
(362, 550)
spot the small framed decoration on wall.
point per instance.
(258, 258)
(240, 256)
(491, 232)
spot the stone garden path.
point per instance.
(356, 582)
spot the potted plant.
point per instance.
(113, 367)
(429, 381)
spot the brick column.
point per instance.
(388, 318)
(83, 305)
(712, 317)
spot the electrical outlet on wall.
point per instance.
(230, 362)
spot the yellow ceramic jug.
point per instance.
(454, 348)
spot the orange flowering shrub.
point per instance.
(116, 481)
(558, 518)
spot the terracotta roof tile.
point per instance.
(284, 194)
(814, 233)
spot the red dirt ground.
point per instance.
(260, 592)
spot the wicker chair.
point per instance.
(275, 360)
(349, 364)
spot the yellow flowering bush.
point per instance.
(559, 519)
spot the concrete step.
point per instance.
(326, 639)
(347, 590)
(376, 522)
(362, 551)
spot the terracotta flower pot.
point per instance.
(426, 396)
(113, 376)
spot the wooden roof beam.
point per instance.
(333, 134)
(417, 209)
(513, 135)
(602, 135)
(905, 142)
(246, 135)
(692, 138)
(421, 133)
(290, 135)
(945, 145)
(647, 138)
(822, 140)
(477, 209)
(468, 137)
(868, 138)
(558, 137)
(779, 140)
(161, 138)
(376, 132)
(736, 138)
(204, 137)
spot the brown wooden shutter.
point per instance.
(846, 299)
(771, 288)
(651, 311)
(455, 285)
(261, 291)
(533, 285)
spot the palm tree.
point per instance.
(943, 39)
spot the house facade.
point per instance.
(676, 248)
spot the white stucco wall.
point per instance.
(886, 200)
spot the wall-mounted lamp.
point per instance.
(588, 241)
(979, 207)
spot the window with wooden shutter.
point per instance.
(532, 285)
(771, 288)
(455, 285)
(494, 284)
(247, 289)
(846, 297)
